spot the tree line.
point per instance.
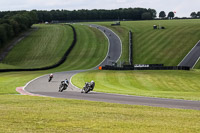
(90, 15)
(97, 15)
(13, 23)
(195, 14)
(163, 15)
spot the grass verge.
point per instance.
(39, 114)
(164, 84)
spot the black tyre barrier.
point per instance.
(62, 60)
(147, 67)
(130, 48)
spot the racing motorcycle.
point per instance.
(63, 85)
(89, 86)
(50, 77)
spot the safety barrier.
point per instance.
(146, 67)
(130, 48)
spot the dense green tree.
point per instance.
(15, 26)
(3, 34)
(193, 15)
(153, 13)
(14, 22)
(198, 14)
(170, 15)
(146, 16)
(162, 14)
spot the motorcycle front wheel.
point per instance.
(86, 90)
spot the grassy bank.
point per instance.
(43, 47)
(48, 44)
(39, 114)
(168, 46)
(165, 84)
(89, 51)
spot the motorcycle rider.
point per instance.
(50, 77)
(66, 82)
(92, 84)
(87, 84)
(63, 86)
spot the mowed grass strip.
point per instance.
(10, 80)
(42, 114)
(168, 46)
(43, 47)
(164, 84)
(90, 50)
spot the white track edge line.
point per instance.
(189, 52)
(196, 63)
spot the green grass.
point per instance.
(10, 80)
(90, 49)
(168, 46)
(164, 84)
(42, 114)
(3, 66)
(43, 47)
(197, 65)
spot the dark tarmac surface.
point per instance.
(42, 87)
(192, 57)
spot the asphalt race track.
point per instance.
(192, 57)
(42, 87)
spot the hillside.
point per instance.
(47, 45)
(167, 46)
(43, 47)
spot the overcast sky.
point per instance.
(183, 8)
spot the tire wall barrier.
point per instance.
(62, 60)
(130, 48)
(153, 67)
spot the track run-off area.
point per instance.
(40, 86)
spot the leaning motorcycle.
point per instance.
(50, 78)
(87, 88)
(63, 86)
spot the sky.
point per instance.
(183, 8)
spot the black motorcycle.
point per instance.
(89, 86)
(63, 86)
(50, 78)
